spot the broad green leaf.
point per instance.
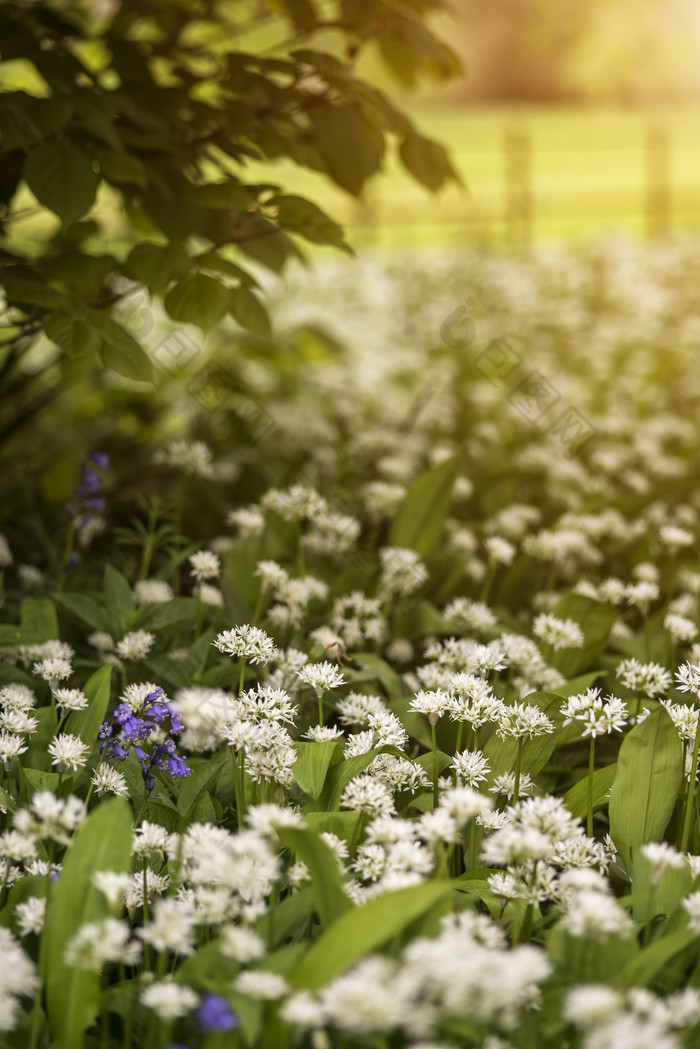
(350, 147)
(35, 294)
(198, 299)
(312, 764)
(246, 308)
(120, 351)
(157, 265)
(170, 613)
(576, 799)
(119, 600)
(85, 723)
(427, 161)
(642, 970)
(595, 619)
(649, 777)
(421, 514)
(38, 617)
(338, 778)
(72, 333)
(62, 178)
(362, 930)
(121, 167)
(103, 842)
(326, 879)
(200, 780)
(302, 216)
(86, 608)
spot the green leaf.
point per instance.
(576, 799)
(103, 842)
(33, 293)
(119, 600)
(312, 764)
(326, 878)
(363, 929)
(72, 334)
(170, 613)
(85, 723)
(427, 161)
(85, 607)
(246, 308)
(121, 167)
(157, 265)
(302, 216)
(61, 178)
(351, 149)
(643, 969)
(38, 617)
(595, 619)
(536, 752)
(120, 351)
(421, 514)
(649, 777)
(198, 299)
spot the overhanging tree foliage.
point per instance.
(153, 108)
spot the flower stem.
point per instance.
(241, 677)
(433, 734)
(691, 792)
(591, 770)
(518, 764)
(320, 709)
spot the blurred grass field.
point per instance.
(590, 170)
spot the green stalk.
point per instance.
(591, 770)
(518, 764)
(320, 709)
(691, 792)
(433, 734)
(198, 609)
(241, 678)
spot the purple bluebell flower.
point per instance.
(131, 731)
(215, 1014)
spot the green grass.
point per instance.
(590, 172)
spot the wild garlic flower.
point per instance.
(152, 592)
(248, 520)
(107, 780)
(522, 719)
(643, 595)
(246, 642)
(599, 716)
(19, 722)
(691, 905)
(172, 927)
(431, 703)
(499, 550)
(136, 645)
(261, 985)
(367, 794)
(680, 627)
(6, 557)
(358, 618)
(53, 669)
(68, 752)
(241, 944)
(17, 697)
(169, 1000)
(661, 857)
(469, 615)
(559, 633)
(97, 944)
(675, 538)
(688, 678)
(595, 916)
(70, 699)
(471, 767)
(191, 457)
(321, 677)
(205, 565)
(297, 503)
(651, 679)
(30, 915)
(403, 572)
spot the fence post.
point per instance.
(658, 170)
(518, 187)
